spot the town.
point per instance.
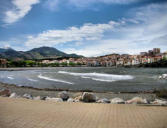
(110, 60)
(115, 59)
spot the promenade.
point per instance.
(24, 113)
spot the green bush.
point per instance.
(161, 93)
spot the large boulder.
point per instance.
(54, 99)
(5, 92)
(88, 97)
(117, 101)
(159, 102)
(70, 100)
(137, 100)
(14, 95)
(103, 100)
(27, 96)
(64, 95)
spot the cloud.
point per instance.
(145, 30)
(53, 5)
(84, 3)
(21, 8)
(87, 32)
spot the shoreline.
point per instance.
(21, 90)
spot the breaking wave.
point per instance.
(99, 76)
(9, 77)
(32, 80)
(51, 79)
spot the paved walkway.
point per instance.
(22, 113)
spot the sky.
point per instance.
(85, 27)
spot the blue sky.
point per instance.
(86, 27)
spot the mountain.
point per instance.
(36, 53)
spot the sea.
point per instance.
(100, 79)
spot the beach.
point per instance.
(19, 113)
(52, 93)
(30, 107)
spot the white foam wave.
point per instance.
(9, 77)
(100, 76)
(51, 79)
(32, 80)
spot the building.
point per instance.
(150, 53)
(164, 56)
(143, 53)
(156, 51)
(3, 63)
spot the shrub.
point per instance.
(161, 93)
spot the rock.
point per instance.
(5, 92)
(64, 95)
(159, 102)
(88, 97)
(37, 98)
(54, 99)
(103, 100)
(14, 95)
(43, 98)
(70, 100)
(137, 100)
(78, 99)
(27, 96)
(117, 101)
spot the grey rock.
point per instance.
(159, 102)
(137, 100)
(14, 95)
(117, 101)
(64, 95)
(70, 100)
(54, 99)
(27, 96)
(103, 100)
(88, 97)
(37, 98)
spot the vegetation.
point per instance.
(161, 93)
(161, 63)
(21, 63)
(32, 63)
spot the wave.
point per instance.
(99, 76)
(9, 77)
(51, 79)
(32, 80)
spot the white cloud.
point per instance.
(21, 8)
(73, 34)
(84, 3)
(144, 30)
(148, 30)
(53, 5)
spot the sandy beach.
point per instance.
(24, 113)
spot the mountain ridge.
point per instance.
(36, 53)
